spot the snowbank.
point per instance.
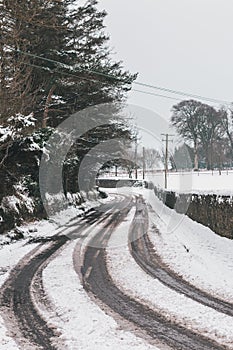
(176, 307)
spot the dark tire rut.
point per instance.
(144, 254)
(24, 322)
(99, 284)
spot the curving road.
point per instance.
(17, 303)
(17, 296)
(144, 254)
(98, 283)
(17, 306)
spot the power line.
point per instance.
(176, 92)
(182, 93)
(92, 80)
(47, 69)
(63, 65)
(88, 79)
(83, 70)
(157, 95)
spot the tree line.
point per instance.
(55, 61)
(208, 130)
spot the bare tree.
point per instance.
(199, 123)
(152, 158)
(209, 131)
(226, 117)
(185, 118)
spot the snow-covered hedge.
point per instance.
(211, 210)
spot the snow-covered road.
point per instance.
(90, 297)
(177, 307)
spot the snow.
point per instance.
(209, 262)
(203, 182)
(10, 203)
(15, 202)
(6, 342)
(82, 323)
(174, 306)
(11, 254)
(17, 125)
(5, 134)
(22, 121)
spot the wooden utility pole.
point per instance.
(166, 157)
(144, 164)
(136, 159)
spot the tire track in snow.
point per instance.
(98, 283)
(144, 254)
(17, 295)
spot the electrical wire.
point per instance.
(62, 65)
(199, 97)
(110, 76)
(157, 95)
(93, 80)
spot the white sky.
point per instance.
(185, 45)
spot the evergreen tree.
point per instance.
(55, 60)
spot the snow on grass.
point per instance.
(176, 307)
(83, 325)
(203, 182)
(47, 227)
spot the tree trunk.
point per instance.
(231, 143)
(195, 157)
(211, 155)
(208, 166)
(208, 156)
(46, 110)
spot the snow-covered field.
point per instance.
(198, 182)
(187, 181)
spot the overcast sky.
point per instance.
(183, 45)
